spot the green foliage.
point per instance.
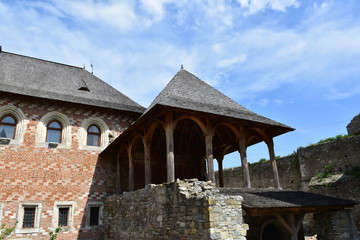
(263, 160)
(328, 171)
(330, 139)
(54, 234)
(6, 232)
(354, 171)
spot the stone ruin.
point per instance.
(353, 127)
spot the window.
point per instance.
(93, 136)
(64, 216)
(28, 220)
(53, 133)
(94, 215)
(29, 217)
(8, 126)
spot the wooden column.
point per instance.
(221, 171)
(131, 167)
(118, 174)
(170, 160)
(147, 153)
(292, 226)
(209, 151)
(210, 157)
(244, 163)
(270, 145)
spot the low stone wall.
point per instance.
(187, 209)
(335, 225)
(261, 175)
(343, 154)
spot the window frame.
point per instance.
(98, 134)
(9, 124)
(54, 129)
(56, 215)
(20, 219)
(100, 205)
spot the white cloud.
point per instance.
(225, 63)
(254, 6)
(119, 14)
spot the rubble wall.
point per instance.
(187, 209)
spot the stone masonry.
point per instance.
(335, 225)
(186, 209)
(353, 127)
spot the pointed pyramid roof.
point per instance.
(186, 91)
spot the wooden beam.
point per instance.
(209, 151)
(170, 159)
(270, 145)
(131, 166)
(244, 163)
(118, 176)
(147, 160)
(221, 171)
(284, 224)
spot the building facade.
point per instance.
(54, 121)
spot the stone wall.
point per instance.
(353, 127)
(187, 209)
(335, 225)
(297, 170)
(261, 174)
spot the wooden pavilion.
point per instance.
(187, 126)
(190, 124)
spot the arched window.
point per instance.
(8, 126)
(53, 132)
(93, 136)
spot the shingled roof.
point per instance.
(49, 80)
(275, 198)
(187, 91)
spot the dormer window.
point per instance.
(93, 136)
(53, 133)
(8, 126)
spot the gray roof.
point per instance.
(275, 198)
(187, 91)
(44, 79)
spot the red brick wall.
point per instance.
(32, 173)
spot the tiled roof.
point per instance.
(187, 91)
(49, 80)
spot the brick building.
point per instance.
(55, 119)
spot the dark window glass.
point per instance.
(94, 216)
(63, 217)
(53, 133)
(29, 217)
(7, 126)
(93, 136)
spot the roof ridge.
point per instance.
(44, 60)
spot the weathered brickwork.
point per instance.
(69, 175)
(186, 209)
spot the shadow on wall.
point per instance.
(102, 185)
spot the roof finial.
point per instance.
(92, 68)
(182, 66)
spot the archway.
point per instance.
(190, 149)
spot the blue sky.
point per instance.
(297, 62)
